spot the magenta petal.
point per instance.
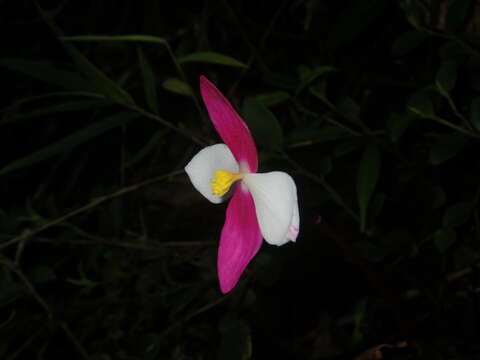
(230, 126)
(240, 241)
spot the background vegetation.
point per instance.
(107, 251)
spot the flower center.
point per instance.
(223, 180)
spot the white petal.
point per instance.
(295, 223)
(202, 167)
(276, 205)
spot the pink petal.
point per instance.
(230, 126)
(240, 241)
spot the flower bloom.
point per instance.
(261, 206)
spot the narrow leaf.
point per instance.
(325, 165)
(263, 124)
(407, 42)
(350, 110)
(458, 214)
(308, 76)
(59, 108)
(70, 141)
(354, 18)
(212, 58)
(42, 274)
(107, 86)
(236, 343)
(446, 77)
(396, 125)
(446, 148)
(273, 98)
(444, 238)
(147, 148)
(420, 104)
(458, 13)
(149, 85)
(10, 291)
(104, 38)
(48, 73)
(475, 113)
(368, 174)
(177, 86)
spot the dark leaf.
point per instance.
(368, 174)
(354, 18)
(149, 84)
(212, 58)
(446, 77)
(263, 124)
(458, 214)
(444, 238)
(69, 142)
(407, 42)
(446, 147)
(236, 342)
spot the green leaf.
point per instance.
(182, 299)
(354, 18)
(236, 342)
(372, 252)
(454, 51)
(325, 165)
(153, 347)
(446, 147)
(344, 148)
(151, 145)
(368, 174)
(458, 13)
(444, 238)
(48, 73)
(42, 274)
(55, 109)
(407, 42)
(263, 124)
(376, 205)
(414, 14)
(10, 291)
(350, 110)
(69, 142)
(83, 282)
(308, 76)
(273, 98)
(475, 113)
(149, 85)
(396, 126)
(458, 214)
(359, 315)
(446, 77)
(420, 104)
(314, 135)
(439, 197)
(108, 87)
(106, 38)
(211, 57)
(177, 86)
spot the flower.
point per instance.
(261, 205)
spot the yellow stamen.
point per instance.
(223, 180)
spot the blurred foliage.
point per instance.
(107, 251)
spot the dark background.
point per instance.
(108, 252)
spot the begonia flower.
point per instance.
(262, 205)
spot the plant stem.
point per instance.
(93, 203)
(321, 181)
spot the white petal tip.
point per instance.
(276, 205)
